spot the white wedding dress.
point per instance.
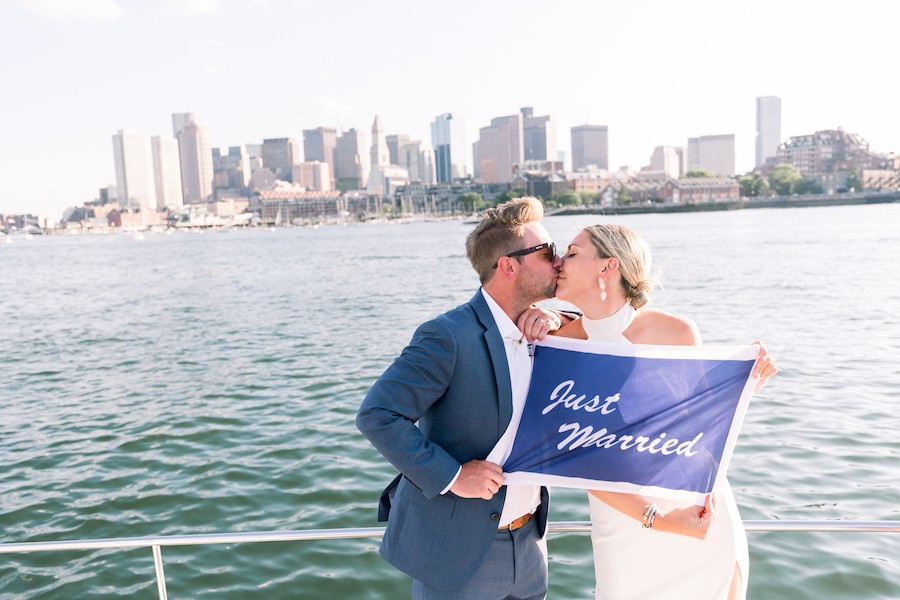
(640, 564)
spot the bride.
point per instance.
(695, 552)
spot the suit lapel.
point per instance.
(498, 360)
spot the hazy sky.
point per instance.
(74, 72)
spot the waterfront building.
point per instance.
(830, 151)
(539, 135)
(500, 146)
(195, 152)
(712, 152)
(279, 155)
(768, 128)
(629, 191)
(313, 176)
(231, 171)
(351, 169)
(294, 205)
(319, 145)
(665, 159)
(443, 198)
(590, 146)
(448, 138)
(395, 143)
(691, 190)
(167, 172)
(135, 182)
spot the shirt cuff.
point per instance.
(452, 481)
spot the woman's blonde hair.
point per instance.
(632, 252)
(500, 232)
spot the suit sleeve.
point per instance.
(418, 378)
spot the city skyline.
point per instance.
(259, 70)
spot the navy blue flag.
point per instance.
(659, 421)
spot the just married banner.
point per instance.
(660, 421)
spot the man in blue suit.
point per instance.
(441, 407)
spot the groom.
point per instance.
(444, 403)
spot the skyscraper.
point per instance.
(666, 159)
(712, 152)
(351, 170)
(768, 128)
(196, 158)
(448, 138)
(417, 158)
(590, 146)
(279, 155)
(395, 143)
(167, 172)
(540, 136)
(135, 184)
(501, 146)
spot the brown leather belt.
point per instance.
(516, 523)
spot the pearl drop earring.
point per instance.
(602, 290)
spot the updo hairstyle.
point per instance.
(619, 242)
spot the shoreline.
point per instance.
(809, 201)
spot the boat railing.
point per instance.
(156, 543)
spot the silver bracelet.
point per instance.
(650, 516)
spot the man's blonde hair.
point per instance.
(500, 232)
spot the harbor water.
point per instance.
(207, 382)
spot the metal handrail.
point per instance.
(157, 542)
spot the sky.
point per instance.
(656, 72)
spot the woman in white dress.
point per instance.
(690, 552)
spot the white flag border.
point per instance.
(715, 352)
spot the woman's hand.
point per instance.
(765, 367)
(537, 323)
(693, 521)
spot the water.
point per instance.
(194, 383)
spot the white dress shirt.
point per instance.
(520, 499)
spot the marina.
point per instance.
(196, 393)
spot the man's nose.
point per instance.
(557, 261)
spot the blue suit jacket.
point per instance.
(453, 381)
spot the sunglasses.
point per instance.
(551, 255)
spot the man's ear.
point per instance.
(506, 267)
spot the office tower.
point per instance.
(395, 143)
(318, 145)
(448, 138)
(500, 147)
(417, 158)
(590, 146)
(314, 175)
(232, 169)
(540, 136)
(665, 159)
(279, 155)
(682, 160)
(196, 158)
(167, 172)
(768, 128)
(351, 170)
(712, 152)
(133, 155)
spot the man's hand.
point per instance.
(478, 479)
(536, 323)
